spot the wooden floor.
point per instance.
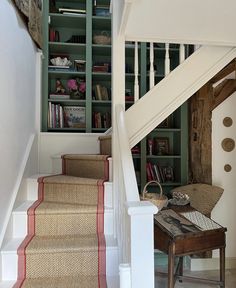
(161, 281)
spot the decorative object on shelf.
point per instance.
(54, 35)
(228, 144)
(79, 65)
(227, 168)
(161, 145)
(77, 88)
(159, 200)
(102, 67)
(135, 150)
(103, 38)
(59, 61)
(150, 146)
(60, 89)
(74, 116)
(227, 121)
(102, 10)
(179, 199)
(203, 197)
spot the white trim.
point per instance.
(17, 186)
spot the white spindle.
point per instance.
(151, 75)
(181, 53)
(125, 276)
(167, 59)
(136, 83)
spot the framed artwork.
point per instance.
(162, 146)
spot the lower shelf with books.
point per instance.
(65, 116)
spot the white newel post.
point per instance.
(142, 243)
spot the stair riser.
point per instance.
(10, 264)
(32, 192)
(57, 166)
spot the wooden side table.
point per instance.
(190, 232)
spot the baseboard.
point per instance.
(17, 185)
(211, 264)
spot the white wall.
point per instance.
(56, 144)
(209, 22)
(17, 109)
(225, 210)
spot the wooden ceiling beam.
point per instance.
(231, 67)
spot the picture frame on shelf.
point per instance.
(162, 146)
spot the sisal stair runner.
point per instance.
(65, 245)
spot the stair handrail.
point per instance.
(135, 217)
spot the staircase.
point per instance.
(62, 215)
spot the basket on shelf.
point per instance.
(103, 38)
(159, 200)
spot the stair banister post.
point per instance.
(142, 243)
(181, 53)
(151, 75)
(167, 59)
(136, 82)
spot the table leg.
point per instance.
(181, 267)
(171, 263)
(222, 266)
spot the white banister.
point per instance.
(181, 53)
(129, 176)
(167, 59)
(136, 82)
(135, 217)
(151, 75)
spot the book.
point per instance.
(70, 10)
(74, 116)
(59, 96)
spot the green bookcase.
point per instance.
(75, 40)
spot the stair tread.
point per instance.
(62, 282)
(85, 156)
(64, 208)
(57, 244)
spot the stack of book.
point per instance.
(159, 173)
(100, 92)
(101, 120)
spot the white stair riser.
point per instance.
(32, 189)
(112, 266)
(10, 264)
(19, 224)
